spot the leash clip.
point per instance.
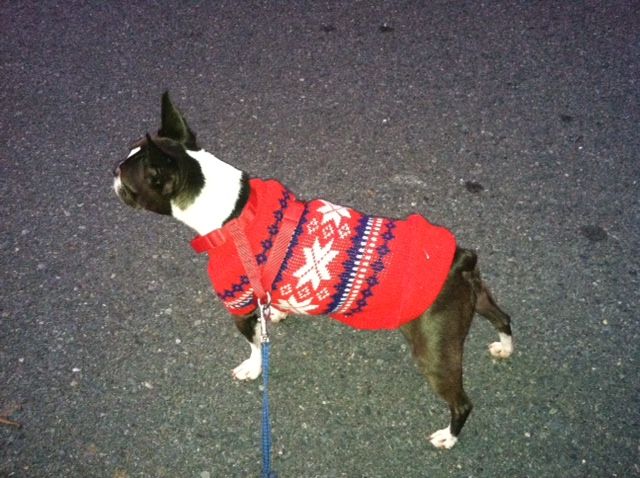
(264, 312)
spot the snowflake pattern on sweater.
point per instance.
(368, 272)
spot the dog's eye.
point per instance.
(154, 177)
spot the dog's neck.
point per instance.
(219, 198)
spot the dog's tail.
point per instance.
(464, 261)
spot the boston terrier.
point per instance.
(316, 258)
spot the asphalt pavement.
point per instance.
(515, 124)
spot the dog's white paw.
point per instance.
(277, 315)
(502, 349)
(250, 369)
(498, 350)
(443, 439)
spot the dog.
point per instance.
(316, 257)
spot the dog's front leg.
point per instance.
(251, 368)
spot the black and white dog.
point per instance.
(168, 173)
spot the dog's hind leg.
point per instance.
(438, 354)
(486, 306)
(436, 339)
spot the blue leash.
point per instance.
(266, 421)
(261, 279)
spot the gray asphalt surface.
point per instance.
(514, 123)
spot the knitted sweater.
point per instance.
(368, 272)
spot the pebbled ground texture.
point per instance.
(513, 123)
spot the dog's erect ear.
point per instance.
(156, 155)
(174, 126)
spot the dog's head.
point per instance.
(158, 173)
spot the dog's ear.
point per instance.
(174, 126)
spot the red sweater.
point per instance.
(368, 272)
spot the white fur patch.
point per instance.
(443, 439)
(218, 197)
(133, 151)
(117, 184)
(277, 315)
(251, 368)
(502, 349)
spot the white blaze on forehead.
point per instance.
(117, 184)
(134, 151)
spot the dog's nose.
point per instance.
(116, 171)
